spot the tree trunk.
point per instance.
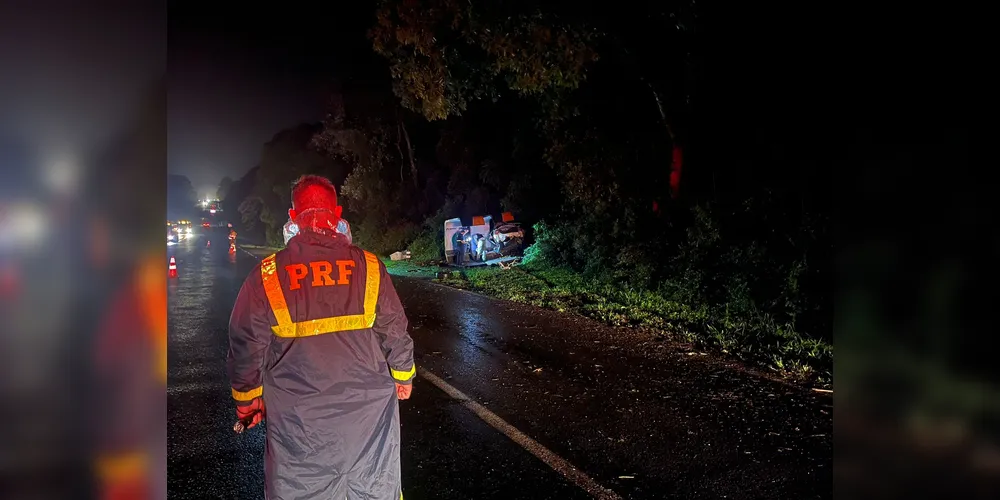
(402, 161)
(663, 114)
(676, 157)
(409, 149)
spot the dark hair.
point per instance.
(313, 191)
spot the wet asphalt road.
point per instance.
(641, 417)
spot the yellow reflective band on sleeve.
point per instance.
(289, 329)
(122, 467)
(249, 395)
(404, 376)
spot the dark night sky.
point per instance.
(222, 109)
(235, 81)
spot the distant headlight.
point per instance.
(189, 231)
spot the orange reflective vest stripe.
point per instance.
(290, 329)
(113, 469)
(152, 287)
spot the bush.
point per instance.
(425, 241)
(553, 246)
(428, 244)
(274, 236)
(749, 267)
(398, 236)
(745, 332)
(427, 247)
(383, 240)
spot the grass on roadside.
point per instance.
(411, 268)
(759, 340)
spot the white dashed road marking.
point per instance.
(544, 454)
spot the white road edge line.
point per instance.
(557, 463)
(248, 252)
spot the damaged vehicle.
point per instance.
(486, 242)
(508, 238)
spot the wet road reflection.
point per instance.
(641, 417)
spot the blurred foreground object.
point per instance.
(25, 226)
(917, 411)
(132, 368)
(129, 416)
(83, 158)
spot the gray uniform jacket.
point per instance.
(319, 331)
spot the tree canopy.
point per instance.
(286, 157)
(181, 197)
(445, 54)
(224, 185)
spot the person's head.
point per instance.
(314, 197)
(312, 192)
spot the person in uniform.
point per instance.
(319, 348)
(459, 243)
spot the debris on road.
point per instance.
(507, 264)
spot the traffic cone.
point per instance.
(172, 268)
(209, 244)
(232, 248)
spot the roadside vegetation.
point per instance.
(759, 339)
(689, 307)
